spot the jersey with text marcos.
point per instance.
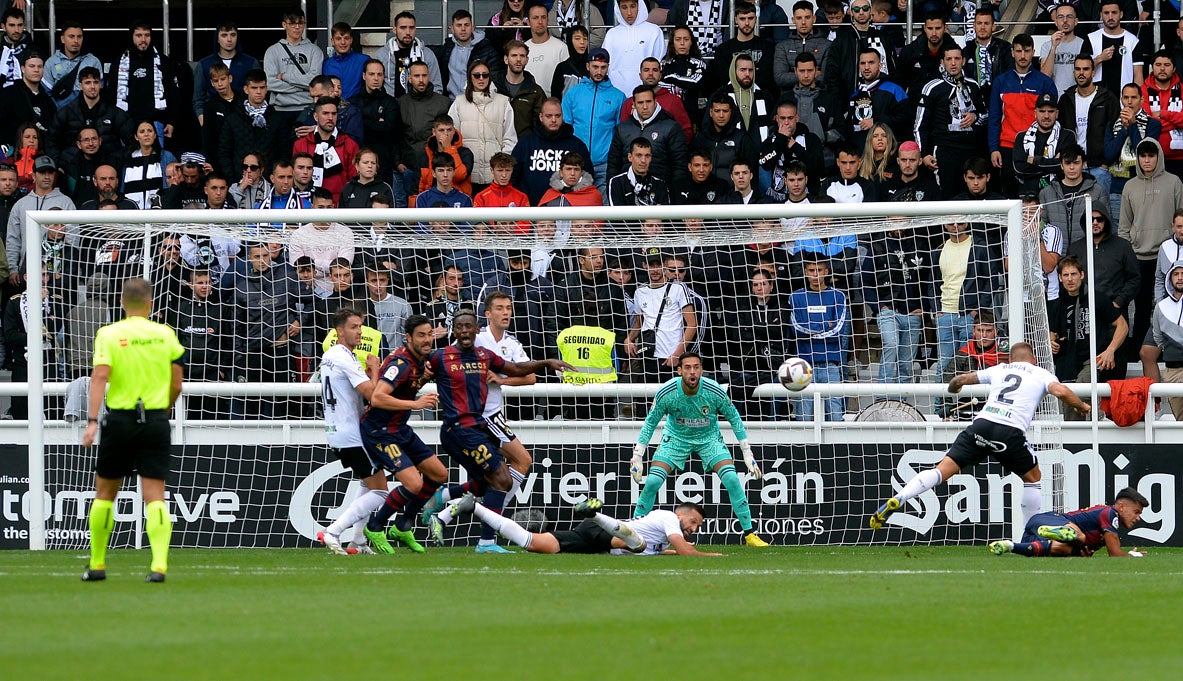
(1015, 392)
(404, 374)
(1095, 521)
(461, 377)
(693, 419)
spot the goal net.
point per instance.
(884, 300)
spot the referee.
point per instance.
(142, 361)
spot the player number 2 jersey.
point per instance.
(1015, 392)
(340, 374)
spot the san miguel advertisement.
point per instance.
(246, 496)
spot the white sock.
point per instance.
(445, 516)
(445, 495)
(357, 513)
(617, 529)
(504, 526)
(1032, 500)
(920, 484)
(516, 479)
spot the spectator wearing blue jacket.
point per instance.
(442, 193)
(820, 321)
(240, 63)
(343, 62)
(592, 108)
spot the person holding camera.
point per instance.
(665, 325)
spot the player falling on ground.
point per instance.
(1079, 533)
(461, 372)
(694, 404)
(656, 533)
(495, 337)
(391, 443)
(998, 432)
(343, 385)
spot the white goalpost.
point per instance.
(253, 465)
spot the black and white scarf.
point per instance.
(123, 78)
(643, 194)
(143, 178)
(1049, 148)
(256, 115)
(10, 62)
(706, 29)
(326, 162)
(567, 17)
(1128, 158)
(401, 65)
(960, 100)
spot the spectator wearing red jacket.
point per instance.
(446, 139)
(1162, 99)
(572, 185)
(502, 194)
(332, 153)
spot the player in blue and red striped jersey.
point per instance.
(461, 372)
(1079, 533)
(392, 444)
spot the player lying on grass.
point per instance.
(1079, 533)
(998, 432)
(694, 404)
(656, 533)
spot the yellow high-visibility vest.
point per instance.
(589, 349)
(370, 343)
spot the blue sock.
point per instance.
(494, 501)
(1040, 547)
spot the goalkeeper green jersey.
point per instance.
(693, 419)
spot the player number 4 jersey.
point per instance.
(340, 374)
(1015, 392)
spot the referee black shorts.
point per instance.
(587, 537)
(988, 440)
(129, 445)
(356, 460)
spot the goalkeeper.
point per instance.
(693, 404)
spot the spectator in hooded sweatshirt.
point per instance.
(291, 64)
(538, 153)
(629, 42)
(571, 185)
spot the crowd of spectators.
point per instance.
(828, 103)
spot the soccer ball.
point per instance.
(795, 374)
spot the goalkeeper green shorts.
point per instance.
(674, 453)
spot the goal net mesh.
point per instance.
(881, 301)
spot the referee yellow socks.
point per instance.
(160, 532)
(102, 522)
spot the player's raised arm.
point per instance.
(381, 397)
(1065, 395)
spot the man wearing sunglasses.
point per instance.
(841, 74)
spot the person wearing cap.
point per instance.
(1012, 101)
(1036, 151)
(26, 100)
(950, 124)
(592, 108)
(1167, 332)
(43, 196)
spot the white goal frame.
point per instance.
(34, 221)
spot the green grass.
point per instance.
(786, 613)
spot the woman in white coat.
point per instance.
(484, 118)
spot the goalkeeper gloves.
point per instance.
(749, 460)
(636, 466)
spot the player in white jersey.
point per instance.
(344, 384)
(496, 337)
(657, 532)
(998, 432)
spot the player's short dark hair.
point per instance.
(1071, 153)
(403, 15)
(744, 7)
(976, 165)
(741, 162)
(442, 119)
(342, 315)
(1084, 56)
(984, 9)
(302, 154)
(293, 14)
(642, 88)
(571, 158)
(723, 98)
(850, 149)
(985, 317)
(320, 193)
(951, 47)
(415, 321)
(700, 152)
(496, 295)
(442, 161)
(1069, 261)
(466, 311)
(693, 507)
(12, 12)
(502, 160)
(1161, 54)
(341, 27)
(226, 25)
(1023, 40)
(372, 61)
(215, 175)
(805, 58)
(1131, 494)
(639, 143)
(325, 101)
(256, 75)
(795, 167)
(934, 15)
(870, 50)
(323, 80)
(93, 72)
(689, 354)
(802, 5)
(383, 198)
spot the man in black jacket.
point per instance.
(89, 110)
(254, 126)
(637, 186)
(650, 121)
(143, 82)
(703, 186)
(842, 72)
(724, 138)
(1116, 271)
(792, 141)
(380, 116)
(920, 60)
(26, 101)
(1103, 110)
(950, 122)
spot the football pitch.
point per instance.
(784, 613)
